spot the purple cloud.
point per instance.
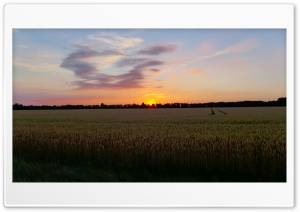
(158, 49)
(91, 77)
(131, 61)
(154, 70)
(80, 67)
(83, 52)
(132, 79)
(148, 64)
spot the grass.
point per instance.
(33, 171)
(150, 145)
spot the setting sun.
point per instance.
(150, 102)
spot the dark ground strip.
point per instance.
(222, 112)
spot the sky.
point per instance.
(126, 66)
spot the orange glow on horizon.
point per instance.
(150, 102)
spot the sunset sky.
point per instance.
(126, 66)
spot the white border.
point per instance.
(147, 16)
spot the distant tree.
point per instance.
(17, 106)
(167, 105)
(159, 105)
(134, 105)
(279, 102)
(103, 105)
(176, 105)
(184, 105)
(282, 101)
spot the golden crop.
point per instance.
(249, 141)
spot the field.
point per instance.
(150, 145)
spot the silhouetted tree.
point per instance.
(103, 105)
(282, 101)
(17, 106)
(279, 102)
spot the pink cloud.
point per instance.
(195, 71)
(206, 47)
(243, 46)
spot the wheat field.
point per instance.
(150, 145)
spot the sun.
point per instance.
(151, 102)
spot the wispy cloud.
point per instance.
(116, 42)
(107, 61)
(158, 49)
(195, 71)
(22, 46)
(206, 47)
(244, 46)
(35, 67)
(157, 95)
(236, 48)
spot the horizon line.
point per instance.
(153, 103)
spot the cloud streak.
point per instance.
(195, 71)
(237, 48)
(158, 49)
(116, 42)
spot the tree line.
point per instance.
(279, 102)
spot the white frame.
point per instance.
(147, 194)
